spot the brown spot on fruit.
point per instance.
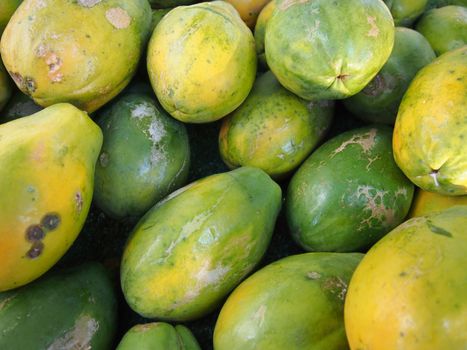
(366, 141)
(375, 87)
(29, 85)
(374, 30)
(34, 233)
(118, 17)
(79, 201)
(36, 250)
(342, 76)
(54, 63)
(50, 221)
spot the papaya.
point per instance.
(67, 58)
(260, 31)
(198, 82)
(46, 177)
(408, 292)
(331, 49)
(249, 10)
(74, 308)
(445, 28)
(7, 8)
(158, 335)
(157, 16)
(442, 3)
(405, 12)
(349, 193)
(430, 130)
(273, 130)
(295, 303)
(379, 101)
(18, 106)
(5, 86)
(193, 247)
(145, 156)
(428, 202)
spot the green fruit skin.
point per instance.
(193, 84)
(145, 156)
(260, 31)
(273, 130)
(73, 309)
(189, 251)
(163, 4)
(18, 106)
(379, 101)
(158, 335)
(315, 58)
(405, 12)
(69, 60)
(348, 193)
(7, 8)
(5, 86)
(442, 3)
(294, 303)
(445, 28)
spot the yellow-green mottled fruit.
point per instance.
(428, 202)
(7, 8)
(273, 130)
(405, 12)
(191, 249)
(47, 163)
(409, 290)
(202, 61)
(260, 30)
(431, 127)
(5, 87)
(84, 58)
(322, 49)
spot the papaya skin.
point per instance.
(260, 31)
(48, 172)
(7, 8)
(428, 202)
(249, 10)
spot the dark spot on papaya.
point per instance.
(375, 87)
(36, 250)
(438, 230)
(18, 79)
(402, 334)
(403, 274)
(34, 233)
(79, 201)
(30, 85)
(452, 71)
(50, 221)
(342, 76)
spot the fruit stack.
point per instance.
(240, 174)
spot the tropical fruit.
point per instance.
(294, 303)
(196, 82)
(249, 10)
(46, 177)
(348, 193)
(380, 99)
(428, 202)
(409, 290)
(331, 49)
(157, 16)
(405, 12)
(445, 28)
(72, 309)
(158, 335)
(145, 156)
(190, 250)
(260, 31)
(430, 131)
(68, 59)
(273, 130)
(5, 86)
(7, 8)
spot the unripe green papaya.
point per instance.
(145, 156)
(83, 52)
(405, 12)
(47, 163)
(189, 251)
(71, 309)
(7, 8)
(158, 336)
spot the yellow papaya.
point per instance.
(425, 202)
(46, 186)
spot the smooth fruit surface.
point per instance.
(428, 202)
(405, 12)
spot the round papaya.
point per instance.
(348, 193)
(405, 12)
(198, 82)
(331, 49)
(409, 290)
(379, 101)
(428, 202)
(445, 28)
(7, 8)
(429, 135)
(67, 58)
(273, 130)
(260, 31)
(295, 303)
(145, 156)
(191, 249)
(249, 10)
(46, 177)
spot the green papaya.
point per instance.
(348, 193)
(158, 336)
(18, 106)
(260, 31)
(191, 249)
(71, 309)
(295, 303)
(405, 12)
(445, 28)
(273, 130)
(82, 52)
(47, 163)
(7, 9)
(379, 101)
(145, 156)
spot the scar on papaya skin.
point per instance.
(88, 3)
(27, 84)
(118, 17)
(6, 301)
(336, 285)
(374, 31)
(366, 141)
(313, 275)
(375, 87)
(79, 201)
(374, 204)
(260, 315)
(287, 3)
(78, 337)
